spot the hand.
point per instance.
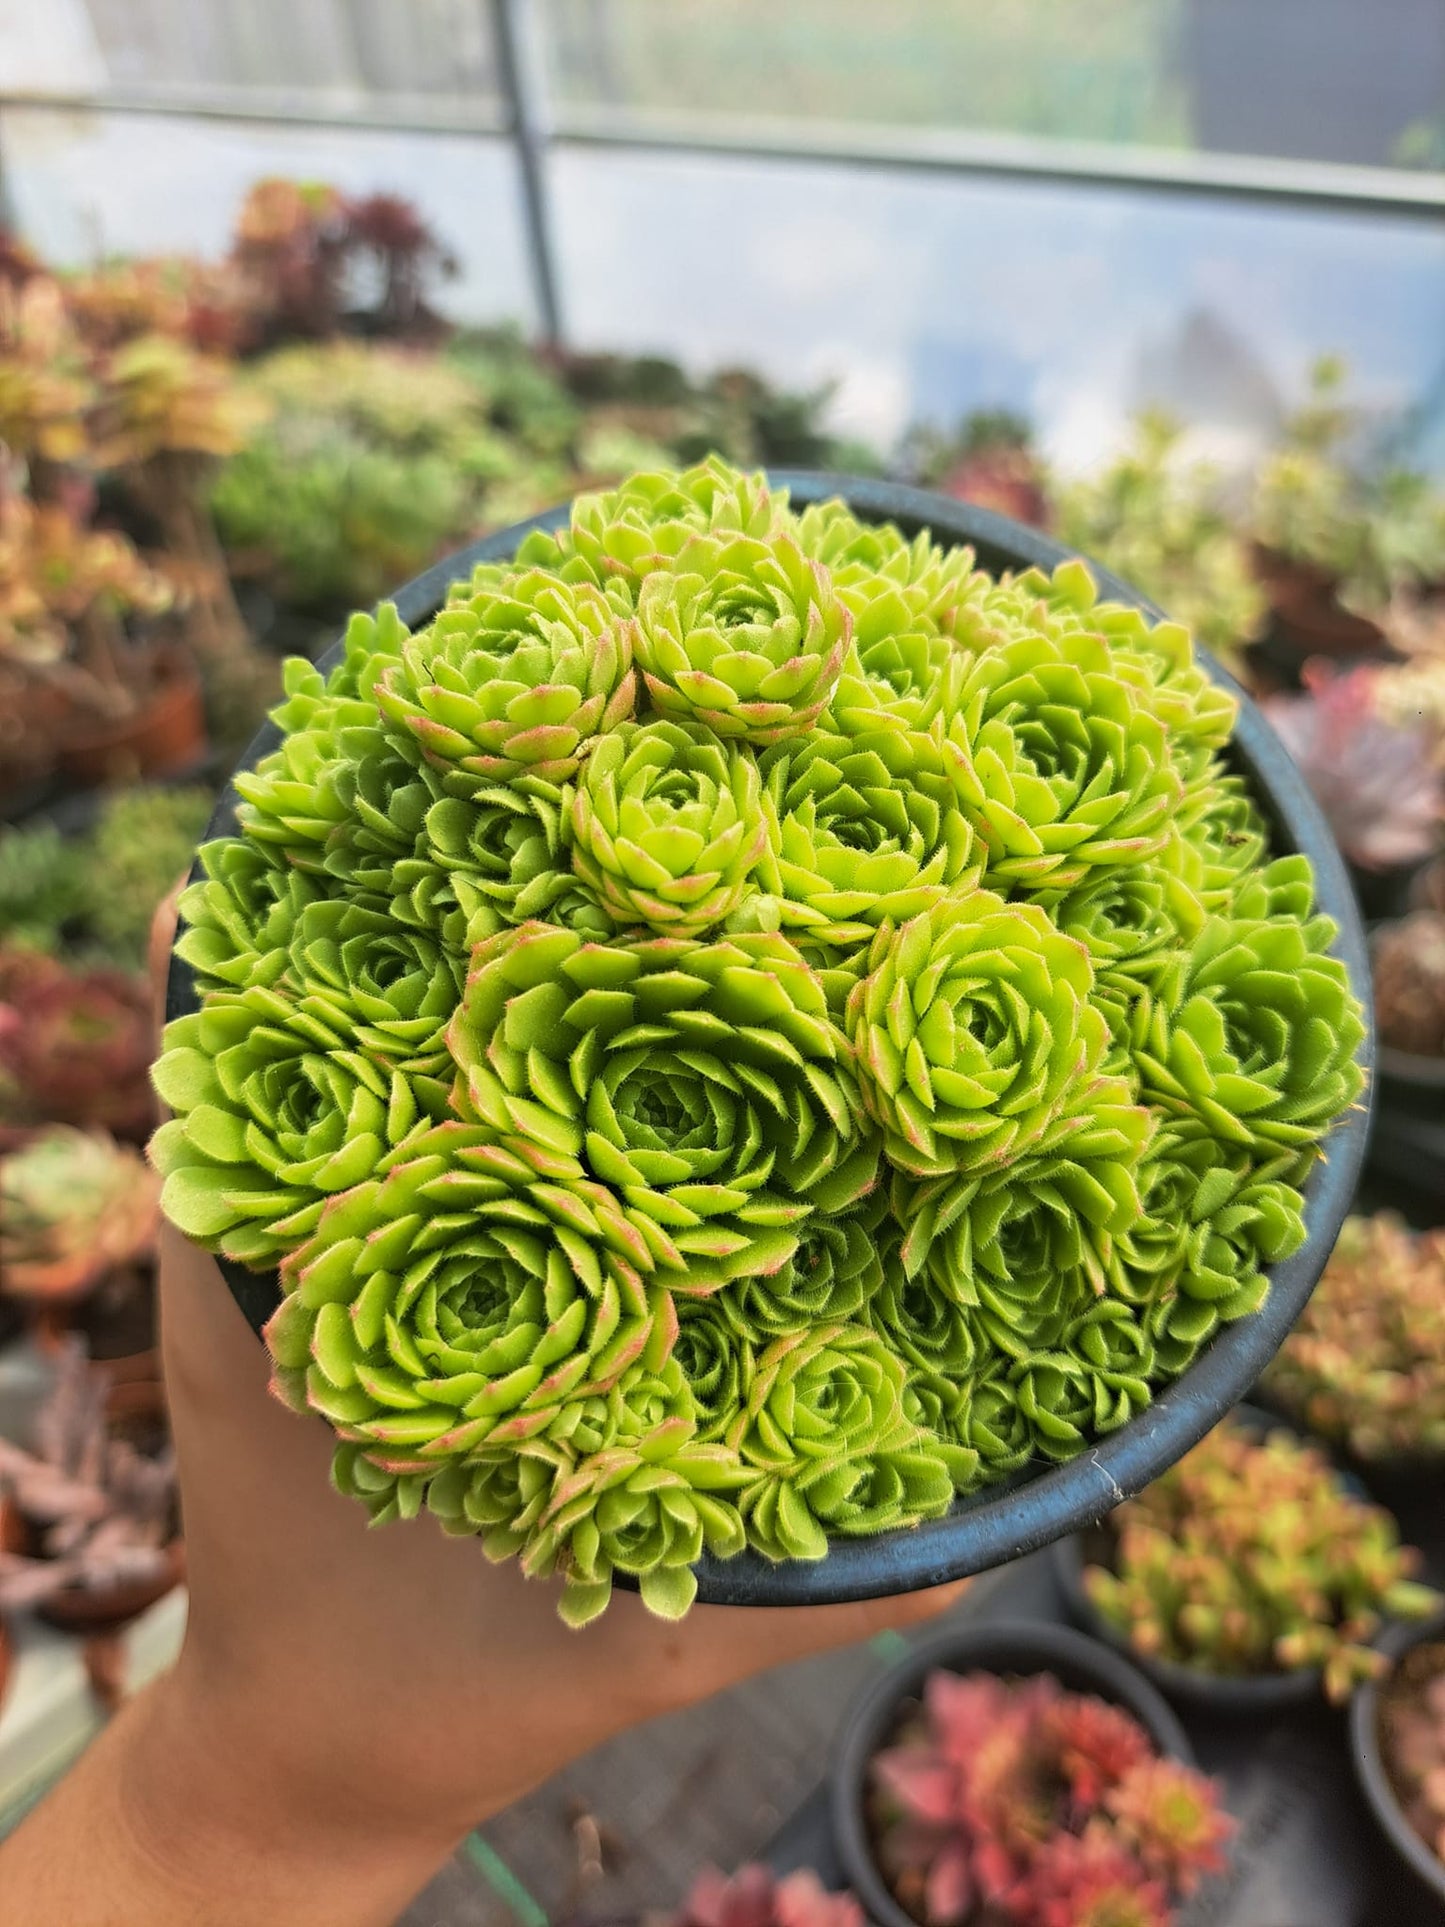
(349, 1703)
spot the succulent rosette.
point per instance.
(665, 826)
(744, 1028)
(742, 634)
(862, 828)
(705, 1082)
(275, 1113)
(975, 1037)
(519, 681)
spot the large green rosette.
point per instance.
(704, 1082)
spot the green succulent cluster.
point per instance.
(743, 1029)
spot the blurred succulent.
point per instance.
(1161, 525)
(59, 580)
(1412, 1739)
(43, 885)
(1365, 1365)
(1012, 1800)
(162, 397)
(74, 1205)
(1308, 503)
(757, 1897)
(1408, 964)
(103, 1511)
(75, 1047)
(144, 840)
(45, 386)
(1250, 1556)
(1378, 784)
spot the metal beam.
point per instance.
(1020, 157)
(946, 151)
(522, 83)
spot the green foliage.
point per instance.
(742, 1029)
(143, 843)
(43, 886)
(1164, 528)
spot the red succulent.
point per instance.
(755, 1897)
(1091, 1880)
(76, 1047)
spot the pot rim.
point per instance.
(1022, 1514)
(1023, 1648)
(1370, 1775)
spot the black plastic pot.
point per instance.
(1407, 1143)
(999, 1524)
(1079, 1664)
(1369, 1765)
(1216, 1693)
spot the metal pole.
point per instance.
(522, 84)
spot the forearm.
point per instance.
(162, 1824)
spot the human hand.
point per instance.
(349, 1703)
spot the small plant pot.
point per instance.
(1080, 1665)
(97, 1609)
(165, 736)
(1369, 1762)
(1408, 1140)
(1309, 618)
(1219, 1694)
(1223, 1695)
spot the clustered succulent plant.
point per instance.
(1365, 1365)
(1412, 1740)
(1015, 1803)
(744, 1028)
(73, 1206)
(756, 1897)
(1252, 1556)
(75, 1045)
(100, 1508)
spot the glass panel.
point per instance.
(1331, 80)
(927, 296)
(82, 186)
(431, 47)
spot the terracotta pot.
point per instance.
(164, 737)
(94, 1609)
(1310, 619)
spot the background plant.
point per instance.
(1365, 1365)
(1251, 1556)
(1014, 1801)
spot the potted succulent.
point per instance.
(1408, 962)
(1311, 526)
(97, 1501)
(731, 893)
(1249, 1575)
(76, 1207)
(1397, 1742)
(1162, 524)
(1378, 782)
(757, 1897)
(1364, 1368)
(1016, 1777)
(75, 1045)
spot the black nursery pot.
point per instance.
(1220, 1694)
(1001, 1523)
(1369, 1763)
(1407, 1145)
(1080, 1665)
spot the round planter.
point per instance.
(99, 1609)
(1215, 1693)
(1408, 1140)
(165, 736)
(1374, 1781)
(1041, 1505)
(1081, 1665)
